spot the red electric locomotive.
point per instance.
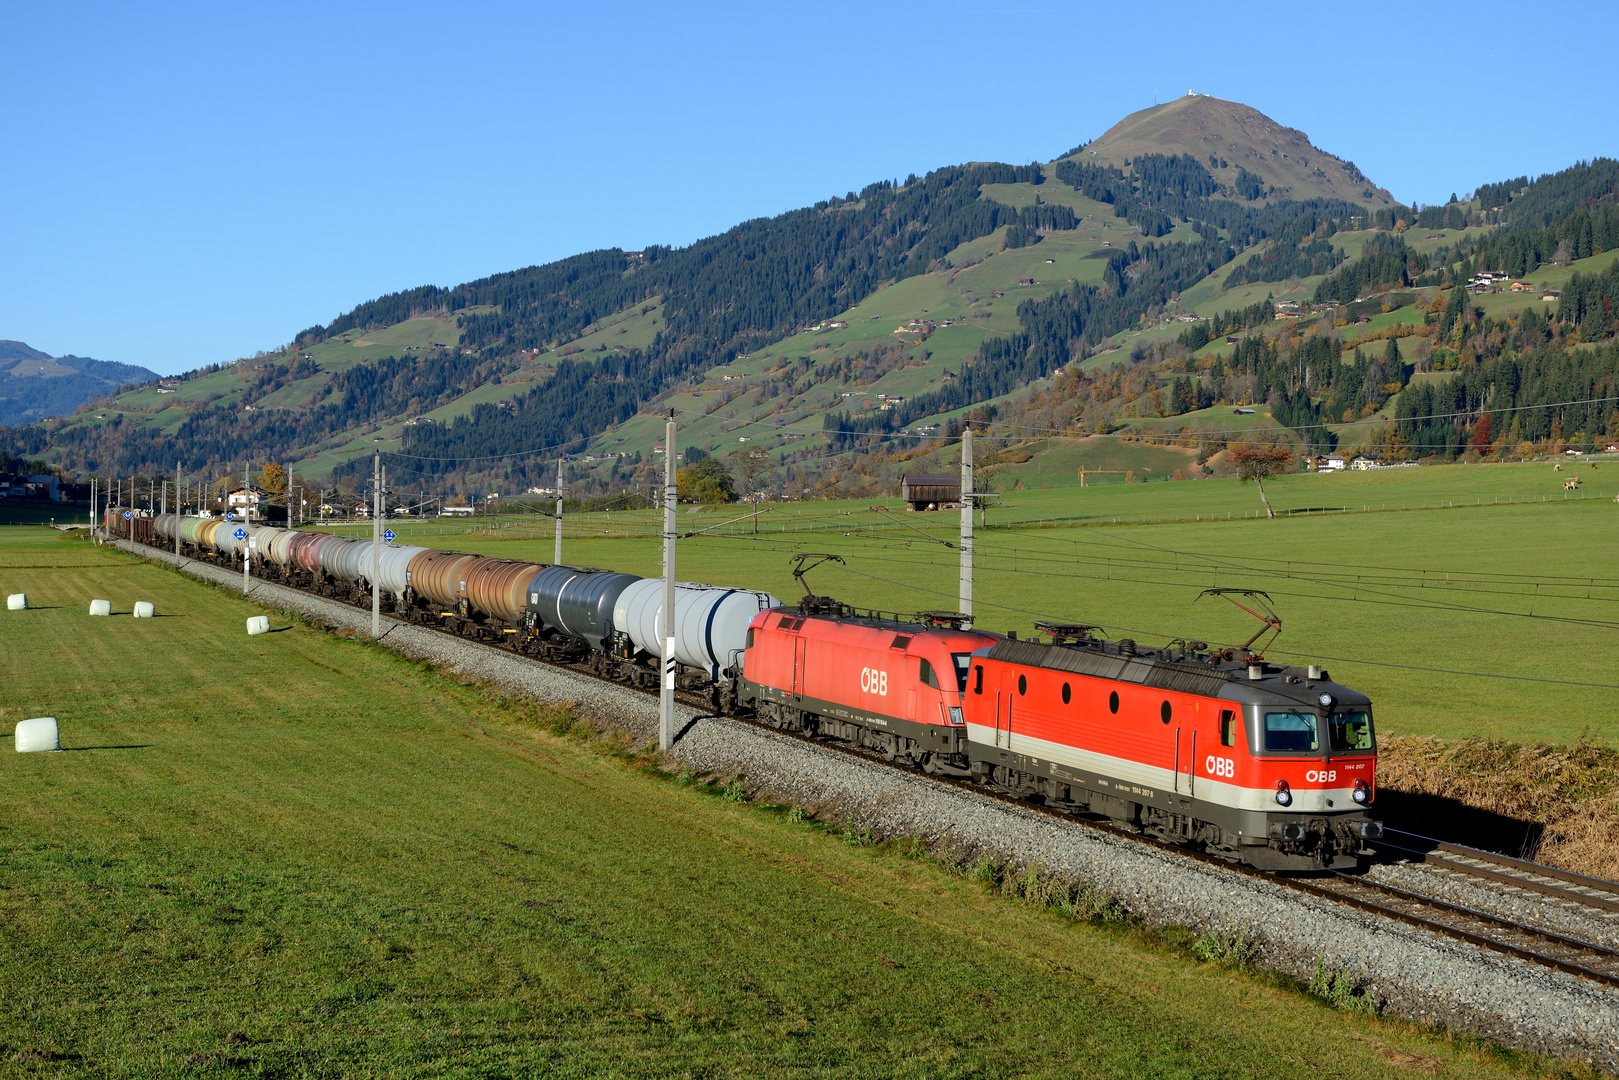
(896, 685)
(1272, 766)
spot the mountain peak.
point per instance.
(1237, 136)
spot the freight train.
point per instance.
(1258, 763)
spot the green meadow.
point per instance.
(303, 855)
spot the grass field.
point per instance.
(1475, 577)
(301, 855)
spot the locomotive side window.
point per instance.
(978, 683)
(1022, 684)
(927, 676)
(1067, 693)
(1113, 702)
(1228, 728)
(1165, 712)
(750, 637)
(1350, 731)
(1290, 731)
(963, 661)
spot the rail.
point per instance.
(1505, 870)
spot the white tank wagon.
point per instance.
(710, 626)
(393, 567)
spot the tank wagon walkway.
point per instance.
(1417, 975)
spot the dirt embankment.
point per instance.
(1557, 805)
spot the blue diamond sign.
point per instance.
(241, 535)
(230, 515)
(128, 515)
(388, 536)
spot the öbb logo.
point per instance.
(873, 681)
(1321, 776)
(1220, 766)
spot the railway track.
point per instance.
(1536, 945)
(1570, 888)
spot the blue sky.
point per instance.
(190, 184)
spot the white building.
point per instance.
(246, 500)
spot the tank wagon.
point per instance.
(1269, 765)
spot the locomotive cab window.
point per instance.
(1290, 731)
(750, 637)
(927, 676)
(1228, 728)
(1350, 730)
(964, 661)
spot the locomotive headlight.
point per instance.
(1363, 794)
(1284, 797)
(1325, 700)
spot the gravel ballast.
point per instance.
(1415, 974)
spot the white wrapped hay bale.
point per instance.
(144, 610)
(101, 607)
(17, 601)
(38, 734)
(258, 624)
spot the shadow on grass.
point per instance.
(119, 746)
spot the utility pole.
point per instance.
(558, 559)
(93, 536)
(666, 626)
(179, 505)
(376, 544)
(965, 602)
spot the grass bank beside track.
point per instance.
(301, 854)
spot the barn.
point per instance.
(924, 491)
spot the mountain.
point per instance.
(36, 386)
(1234, 139)
(1106, 288)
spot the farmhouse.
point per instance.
(250, 501)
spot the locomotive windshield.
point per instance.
(1286, 731)
(1350, 730)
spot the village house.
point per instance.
(242, 500)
